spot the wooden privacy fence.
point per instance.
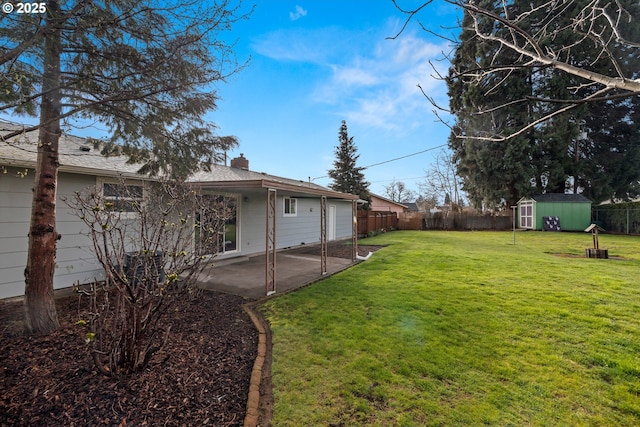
(372, 221)
(453, 221)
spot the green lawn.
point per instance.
(464, 328)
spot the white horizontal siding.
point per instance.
(304, 228)
(252, 220)
(344, 219)
(74, 258)
(15, 211)
(12, 283)
(12, 259)
(9, 214)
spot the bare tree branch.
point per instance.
(596, 26)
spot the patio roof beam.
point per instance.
(302, 188)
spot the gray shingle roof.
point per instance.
(21, 151)
(561, 198)
(388, 200)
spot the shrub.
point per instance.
(151, 247)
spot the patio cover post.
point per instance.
(354, 230)
(323, 235)
(270, 264)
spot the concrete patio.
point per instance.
(245, 276)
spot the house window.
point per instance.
(217, 224)
(123, 198)
(290, 206)
(526, 214)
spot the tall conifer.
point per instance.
(145, 69)
(347, 177)
(592, 148)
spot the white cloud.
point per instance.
(353, 76)
(368, 79)
(299, 13)
(299, 45)
(379, 88)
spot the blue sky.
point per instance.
(315, 63)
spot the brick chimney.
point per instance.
(240, 162)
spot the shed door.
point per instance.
(526, 214)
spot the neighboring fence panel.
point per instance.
(613, 220)
(371, 221)
(453, 221)
(626, 221)
(411, 221)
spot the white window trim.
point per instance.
(284, 207)
(100, 182)
(521, 214)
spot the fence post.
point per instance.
(627, 220)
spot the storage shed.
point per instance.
(571, 211)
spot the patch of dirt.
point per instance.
(50, 380)
(567, 255)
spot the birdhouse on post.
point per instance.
(596, 252)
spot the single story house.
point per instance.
(382, 204)
(270, 212)
(568, 212)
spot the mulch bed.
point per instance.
(50, 380)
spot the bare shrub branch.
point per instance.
(148, 237)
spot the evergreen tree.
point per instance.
(594, 146)
(551, 156)
(143, 68)
(608, 154)
(347, 177)
(493, 172)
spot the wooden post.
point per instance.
(354, 231)
(270, 264)
(323, 235)
(595, 252)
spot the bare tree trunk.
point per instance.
(40, 309)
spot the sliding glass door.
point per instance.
(217, 224)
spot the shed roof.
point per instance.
(77, 155)
(560, 198)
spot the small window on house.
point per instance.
(290, 206)
(122, 198)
